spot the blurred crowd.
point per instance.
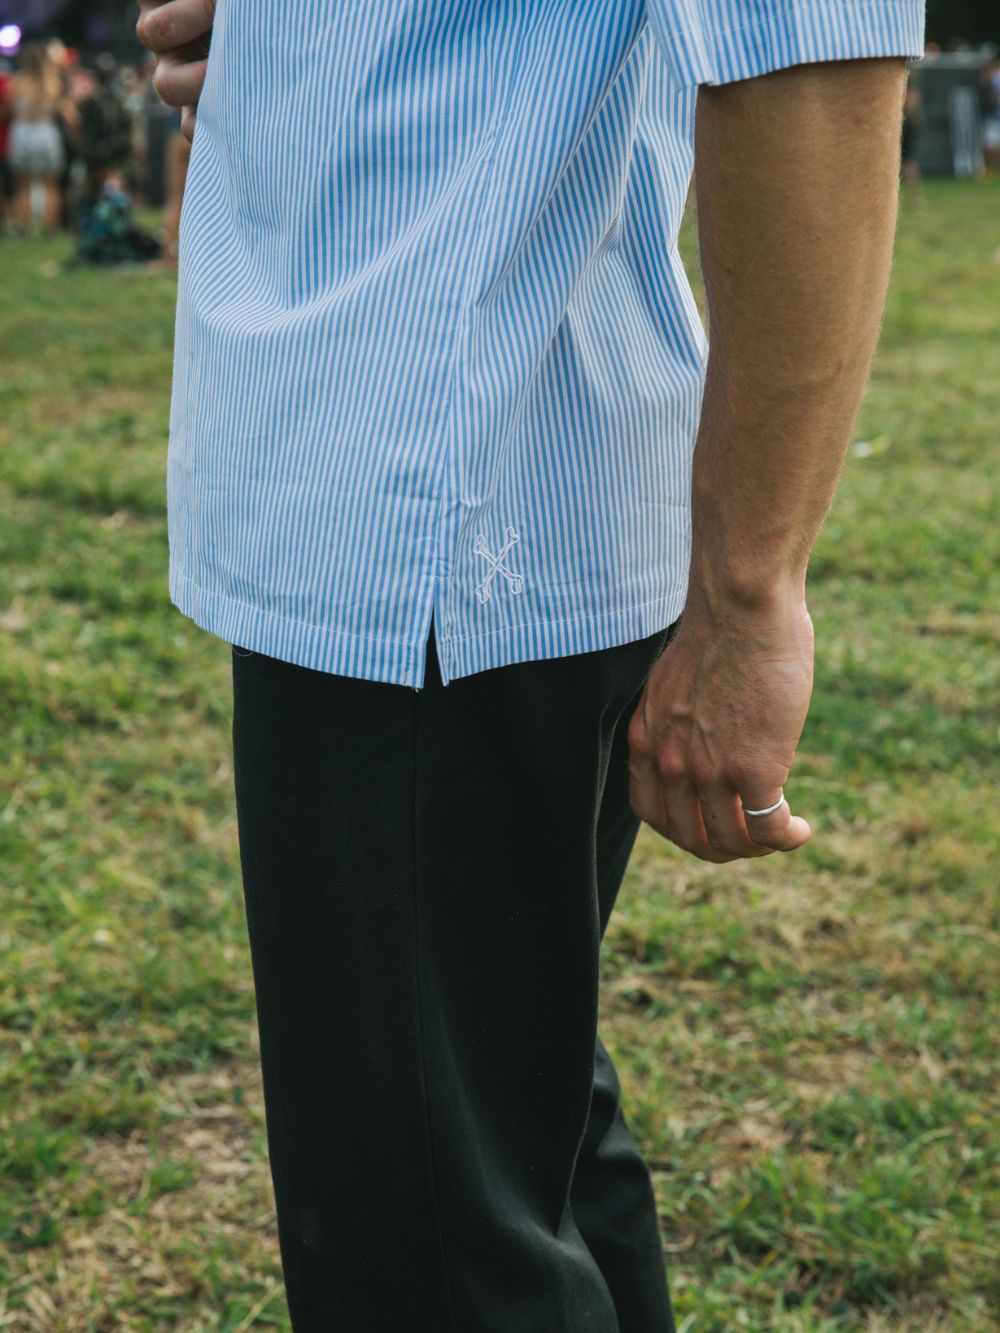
(991, 114)
(981, 97)
(82, 146)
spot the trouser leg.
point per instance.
(421, 882)
(613, 1201)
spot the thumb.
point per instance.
(780, 829)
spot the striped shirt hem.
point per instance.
(404, 663)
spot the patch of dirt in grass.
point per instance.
(823, 1068)
(49, 411)
(151, 1223)
(922, 1314)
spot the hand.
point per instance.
(179, 32)
(717, 726)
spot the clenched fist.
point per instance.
(179, 33)
(717, 728)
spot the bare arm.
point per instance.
(797, 185)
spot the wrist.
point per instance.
(744, 589)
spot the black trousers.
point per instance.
(427, 877)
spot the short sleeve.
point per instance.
(721, 41)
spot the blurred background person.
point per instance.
(81, 86)
(108, 232)
(178, 154)
(35, 148)
(67, 118)
(991, 114)
(912, 121)
(6, 112)
(131, 92)
(105, 130)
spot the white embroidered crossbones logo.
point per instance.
(497, 566)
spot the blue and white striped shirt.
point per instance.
(436, 354)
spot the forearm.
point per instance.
(796, 178)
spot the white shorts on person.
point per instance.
(36, 148)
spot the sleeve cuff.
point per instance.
(795, 34)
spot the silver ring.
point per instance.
(769, 810)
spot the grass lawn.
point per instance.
(808, 1043)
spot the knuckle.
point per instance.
(152, 28)
(161, 82)
(745, 778)
(636, 735)
(669, 766)
(145, 31)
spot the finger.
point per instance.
(781, 830)
(686, 824)
(188, 117)
(166, 27)
(644, 791)
(724, 821)
(649, 797)
(179, 81)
